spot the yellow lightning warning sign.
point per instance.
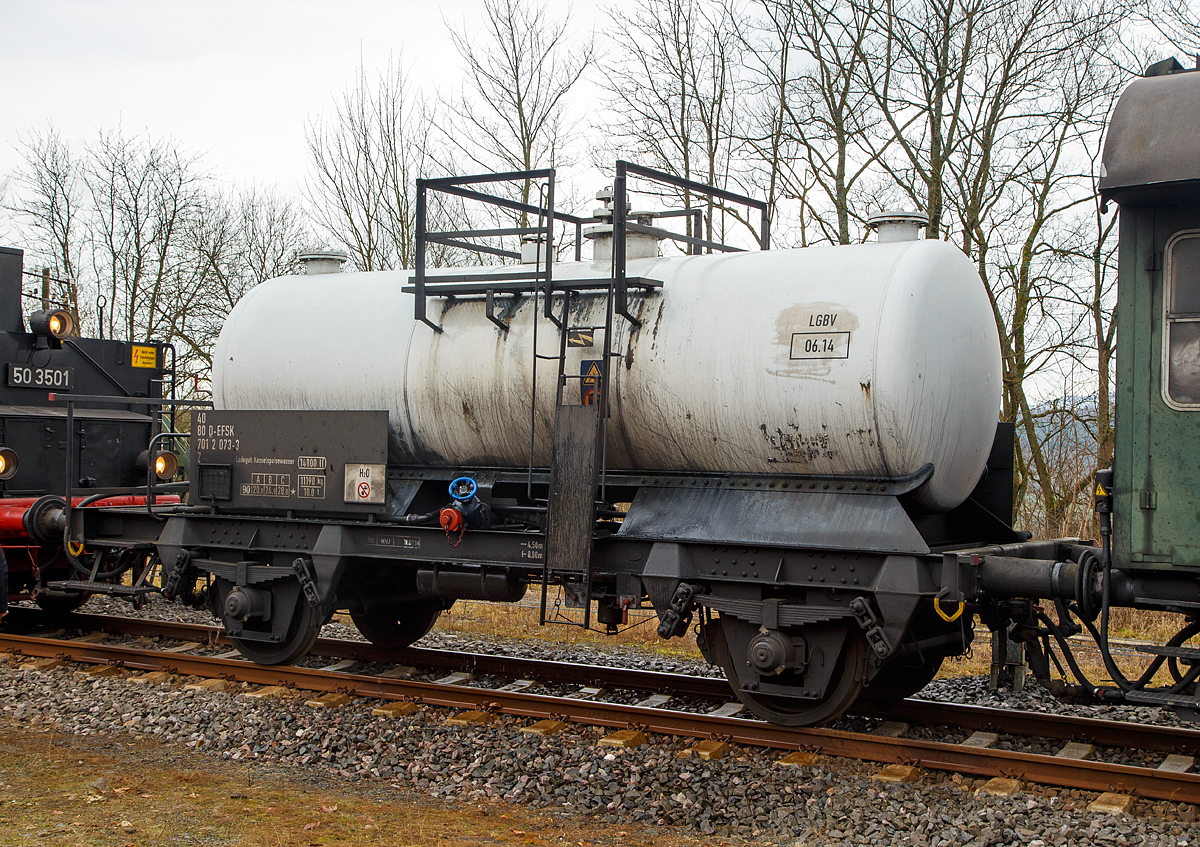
(144, 357)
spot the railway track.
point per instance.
(649, 715)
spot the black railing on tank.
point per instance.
(489, 284)
(695, 244)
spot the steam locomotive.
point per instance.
(795, 451)
(94, 451)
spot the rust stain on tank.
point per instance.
(866, 387)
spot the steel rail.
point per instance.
(364, 651)
(1107, 733)
(1092, 776)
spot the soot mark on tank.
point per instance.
(506, 311)
(469, 416)
(657, 321)
(635, 332)
(795, 446)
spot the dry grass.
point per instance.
(520, 621)
(1139, 625)
(48, 794)
(499, 621)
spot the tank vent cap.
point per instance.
(897, 226)
(322, 261)
(638, 245)
(533, 249)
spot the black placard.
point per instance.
(285, 460)
(44, 378)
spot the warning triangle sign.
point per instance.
(590, 372)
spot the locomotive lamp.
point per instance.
(166, 465)
(8, 463)
(51, 323)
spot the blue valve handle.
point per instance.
(463, 495)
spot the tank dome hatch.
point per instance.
(1152, 150)
(322, 261)
(897, 226)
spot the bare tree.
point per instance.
(513, 112)
(139, 226)
(1024, 214)
(50, 207)
(241, 239)
(5, 222)
(1178, 23)
(273, 231)
(818, 115)
(674, 92)
(144, 195)
(366, 159)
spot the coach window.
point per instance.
(1182, 319)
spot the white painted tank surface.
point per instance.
(864, 359)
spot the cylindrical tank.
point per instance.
(861, 359)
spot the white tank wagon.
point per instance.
(867, 360)
(781, 449)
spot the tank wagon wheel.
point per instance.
(729, 641)
(303, 626)
(897, 680)
(397, 624)
(302, 633)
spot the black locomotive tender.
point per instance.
(803, 623)
(49, 443)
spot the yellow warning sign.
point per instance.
(589, 370)
(144, 357)
(583, 337)
(1100, 492)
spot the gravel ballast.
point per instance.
(969, 689)
(744, 796)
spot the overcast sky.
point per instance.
(234, 80)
